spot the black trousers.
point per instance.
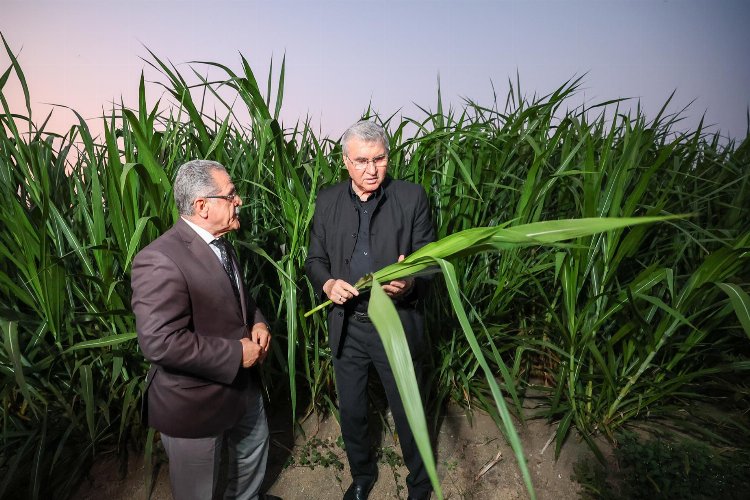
(362, 347)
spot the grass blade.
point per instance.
(510, 431)
(391, 332)
(740, 302)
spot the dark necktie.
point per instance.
(226, 262)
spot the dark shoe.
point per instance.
(359, 491)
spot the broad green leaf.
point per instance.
(482, 239)
(391, 332)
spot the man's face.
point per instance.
(222, 215)
(366, 153)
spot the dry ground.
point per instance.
(474, 462)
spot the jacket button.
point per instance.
(354, 235)
(340, 313)
(346, 261)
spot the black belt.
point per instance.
(362, 317)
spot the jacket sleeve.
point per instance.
(423, 232)
(259, 318)
(318, 263)
(254, 313)
(162, 306)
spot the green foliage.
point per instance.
(388, 456)
(666, 468)
(318, 452)
(464, 243)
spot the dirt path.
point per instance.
(474, 462)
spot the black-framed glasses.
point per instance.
(362, 163)
(229, 197)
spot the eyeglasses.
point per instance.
(229, 197)
(362, 163)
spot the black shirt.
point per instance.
(361, 262)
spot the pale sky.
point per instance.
(343, 55)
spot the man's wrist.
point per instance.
(243, 340)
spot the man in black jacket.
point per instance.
(362, 225)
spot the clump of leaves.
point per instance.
(666, 468)
(318, 452)
(387, 455)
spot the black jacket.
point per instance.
(400, 225)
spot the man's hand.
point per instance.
(339, 291)
(251, 352)
(262, 337)
(396, 288)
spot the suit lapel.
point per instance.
(208, 260)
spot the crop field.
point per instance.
(645, 324)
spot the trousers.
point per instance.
(194, 463)
(361, 349)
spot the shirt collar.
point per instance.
(205, 235)
(373, 196)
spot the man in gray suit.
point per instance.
(202, 334)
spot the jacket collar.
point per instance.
(206, 257)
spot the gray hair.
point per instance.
(365, 131)
(193, 180)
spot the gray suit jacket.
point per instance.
(189, 327)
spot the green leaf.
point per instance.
(87, 394)
(451, 283)
(21, 78)
(740, 302)
(107, 341)
(36, 470)
(135, 239)
(145, 155)
(70, 235)
(495, 238)
(13, 350)
(391, 332)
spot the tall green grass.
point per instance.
(624, 326)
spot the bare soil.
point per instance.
(473, 460)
